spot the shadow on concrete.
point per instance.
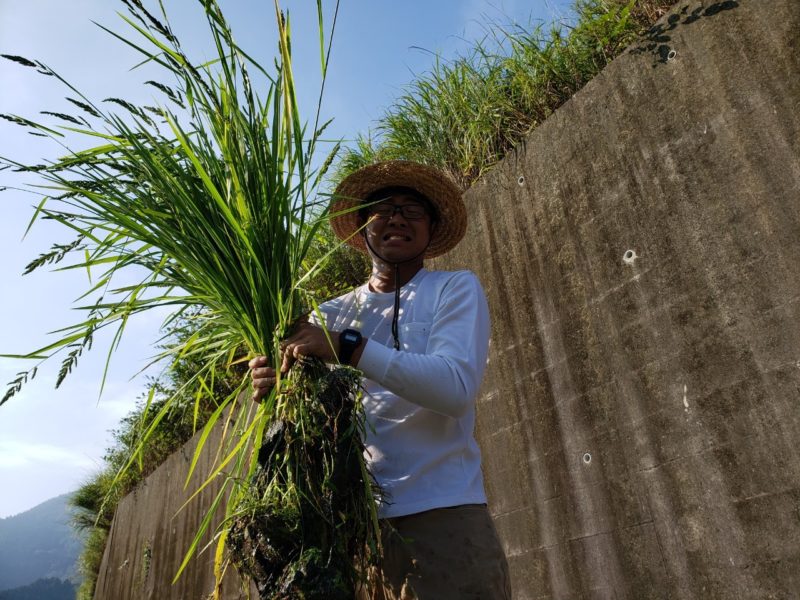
(657, 41)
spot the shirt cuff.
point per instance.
(374, 361)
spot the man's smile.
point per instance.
(396, 236)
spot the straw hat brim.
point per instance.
(443, 193)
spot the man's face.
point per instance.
(399, 228)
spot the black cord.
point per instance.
(395, 332)
(396, 265)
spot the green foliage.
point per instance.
(213, 204)
(466, 114)
(95, 502)
(351, 159)
(90, 561)
(343, 269)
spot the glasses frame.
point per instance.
(391, 210)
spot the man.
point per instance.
(421, 339)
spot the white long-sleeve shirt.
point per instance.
(420, 400)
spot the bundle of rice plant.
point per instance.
(209, 197)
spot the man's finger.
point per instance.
(266, 382)
(262, 372)
(288, 358)
(257, 362)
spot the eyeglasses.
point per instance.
(412, 212)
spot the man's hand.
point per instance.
(307, 340)
(263, 377)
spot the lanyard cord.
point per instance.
(395, 332)
(396, 311)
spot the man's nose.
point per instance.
(397, 216)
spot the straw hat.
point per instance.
(437, 187)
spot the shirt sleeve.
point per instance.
(446, 377)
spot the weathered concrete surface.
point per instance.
(149, 536)
(640, 420)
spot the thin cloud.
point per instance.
(16, 455)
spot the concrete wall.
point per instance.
(640, 420)
(149, 536)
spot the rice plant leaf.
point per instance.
(42, 353)
(204, 525)
(31, 355)
(88, 265)
(145, 412)
(150, 38)
(243, 440)
(219, 560)
(321, 30)
(35, 216)
(209, 185)
(66, 222)
(212, 420)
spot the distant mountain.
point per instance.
(38, 544)
(42, 589)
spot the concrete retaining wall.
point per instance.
(151, 534)
(640, 420)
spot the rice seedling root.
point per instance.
(304, 528)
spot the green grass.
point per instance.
(466, 114)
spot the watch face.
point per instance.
(350, 337)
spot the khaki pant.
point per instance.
(441, 554)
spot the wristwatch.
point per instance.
(349, 340)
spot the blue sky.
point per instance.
(52, 440)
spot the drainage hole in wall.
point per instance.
(520, 180)
(587, 458)
(629, 257)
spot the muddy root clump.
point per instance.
(306, 527)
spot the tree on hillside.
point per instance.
(38, 543)
(42, 589)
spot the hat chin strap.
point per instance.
(396, 265)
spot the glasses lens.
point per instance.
(412, 211)
(384, 211)
(408, 211)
